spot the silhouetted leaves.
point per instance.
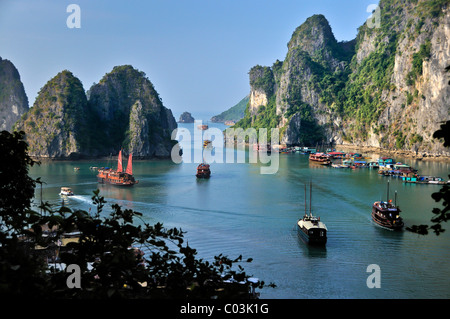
(117, 257)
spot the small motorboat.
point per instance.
(66, 191)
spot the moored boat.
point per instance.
(425, 180)
(383, 161)
(373, 165)
(309, 150)
(118, 177)
(319, 158)
(202, 127)
(336, 155)
(310, 228)
(386, 214)
(340, 165)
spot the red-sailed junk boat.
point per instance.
(118, 177)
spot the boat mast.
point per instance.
(310, 197)
(395, 202)
(305, 200)
(387, 199)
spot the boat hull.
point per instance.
(203, 171)
(203, 175)
(385, 223)
(103, 180)
(315, 239)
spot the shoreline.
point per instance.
(420, 156)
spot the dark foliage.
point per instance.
(117, 258)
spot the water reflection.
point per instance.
(313, 251)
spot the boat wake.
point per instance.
(85, 199)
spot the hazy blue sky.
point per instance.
(197, 53)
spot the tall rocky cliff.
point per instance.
(131, 114)
(387, 88)
(56, 125)
(123, 111)
(13, 100)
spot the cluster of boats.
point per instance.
(386, 166)
(385, 213)
(311, 228)
(350, 160)
(410, 175)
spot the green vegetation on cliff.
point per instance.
(112, 100)
(13, 100)
(265, 118)
(57, 124)
(63, 123)
(372, 89)
(234, 113)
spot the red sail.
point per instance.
(129, 166)
(119, 162)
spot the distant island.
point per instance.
(186, 117)
(233, 114)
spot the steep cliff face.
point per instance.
(13, 100)
(56, 125)
(292, 95)
(387, 88)
(131, 114)
(412, 98)
(123, 111)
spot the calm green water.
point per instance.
(240, 211)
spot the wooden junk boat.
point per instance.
(118, 177)
(320, 158)
(386, 214)
(310, 228)
(202, 127)
(203, 171)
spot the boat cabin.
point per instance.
(66, 191)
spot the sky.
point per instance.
(197, 53)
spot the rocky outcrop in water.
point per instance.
(56, 125)
(13, 100)
(131, 114)
(186, 117)
(123, 111)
